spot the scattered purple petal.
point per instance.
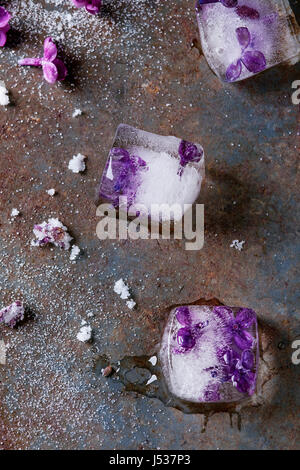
(5, 16)
(53, 68)
(12, 314)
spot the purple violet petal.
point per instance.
(79, 3)
(243, 36)
(243, 339)
(247, 359)
(185, 338)
(50, 72)
(35, 61)
(50, 50)
(229, 3)
(4, 17)
(254, 61)
(244, 12)
(2, 37)
(234, 71)
(61, 69)
(183, 316)
(245, 317)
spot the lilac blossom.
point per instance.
(91, 6)
(12, 314)
(254, 61)
(53, 68)
(5, 16)
(237, 326)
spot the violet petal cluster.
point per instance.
(254, 61)
(12, 314)
(91, 6)
(53, 68)
(5, 16)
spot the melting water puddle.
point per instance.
(138, 374)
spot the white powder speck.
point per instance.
(153, 378)
(153, 360)
(74, 252)
(14, 212)
(4, 98)
(76, 164)
(237, 245)
(51, 192)
(85, 333)
(77, 112)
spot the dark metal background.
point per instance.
(140, 68)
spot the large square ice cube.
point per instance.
(240, 39)
(150, 169)
(210, 354)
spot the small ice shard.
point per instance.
(131, 304)
(75, 251)
(4, 97)
(12, 314)
(153, 378)
(237, 244)
(161, 174)
(77, 112)
(51, 192)
(14, 212)
(85, 334)
(76, 164)
(53, 232)
(153, 360)
(2, 352)
(210, 354)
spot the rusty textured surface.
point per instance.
(136, 65)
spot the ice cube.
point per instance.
(210, 354)
(240, 40)
(150, 169)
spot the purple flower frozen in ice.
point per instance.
(53, 68)
(237, 326)
(12, 314)
(244, 12)
(4, 26)
(188, 153)
(53, 232)
(254, 61)
(92, 6)
(239, 370)
(129, 166)
(187, 336)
